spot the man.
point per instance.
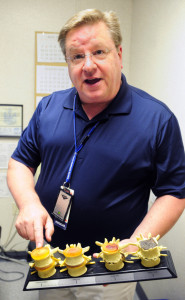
(132, 145)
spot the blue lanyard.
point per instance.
(77, 148)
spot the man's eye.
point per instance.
(99, 52)
(78, 56)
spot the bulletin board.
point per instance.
(51, 71)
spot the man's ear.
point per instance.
(120, 54)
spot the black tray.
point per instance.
(97, 274)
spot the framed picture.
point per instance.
(11, 120)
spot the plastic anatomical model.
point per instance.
(75, 260)
(148, 250)
(43, 261)
(111, 254)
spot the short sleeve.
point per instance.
(169, 161)
(27, 151)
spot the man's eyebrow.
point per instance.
(78, 49)
(73, 49)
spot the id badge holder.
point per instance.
(62, 207)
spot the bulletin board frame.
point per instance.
(51, 69)
(11, 120)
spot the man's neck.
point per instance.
(94, 109)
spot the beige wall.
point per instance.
(153, 59)
(19, 19)
(157, 65)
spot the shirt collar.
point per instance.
(121, 104)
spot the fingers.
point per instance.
(47, 224)
(95, 255)
(127, 245)
(38, 233)
(21, 230)
(30, 230)
(49, 229)
(31, 227)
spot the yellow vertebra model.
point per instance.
(75, 260)
(111, 254)
(148, 250)
(44, 261)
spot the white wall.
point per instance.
(157, 65)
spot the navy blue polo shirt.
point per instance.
(137, 147)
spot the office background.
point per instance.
(153, 59)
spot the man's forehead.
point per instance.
(94, 44)
(92, 35)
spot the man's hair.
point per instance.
(92, 16)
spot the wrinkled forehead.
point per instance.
(91, 35)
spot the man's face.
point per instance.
(96, 80)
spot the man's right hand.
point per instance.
(31, 221)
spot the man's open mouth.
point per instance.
(92, 81)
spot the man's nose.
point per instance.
(89, 64)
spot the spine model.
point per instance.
(44, 262)
(75, 260)
(148, 250)
(111, 254)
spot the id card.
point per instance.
(62, 207)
